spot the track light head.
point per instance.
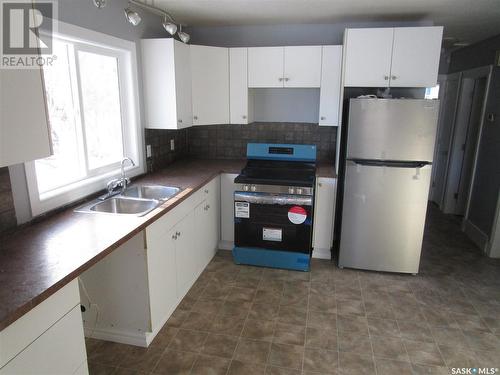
(99, 3)
(183, 36)
(132, 16)
(169, 26)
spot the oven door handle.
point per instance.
(265, 198)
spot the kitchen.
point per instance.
(223, 112)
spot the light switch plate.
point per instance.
(148, 151)
(172, 145)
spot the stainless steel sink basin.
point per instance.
(121, 206)
(157, 192)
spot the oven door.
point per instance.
(273, 221)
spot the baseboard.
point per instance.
(475, 234)
(321, 253)
(226, 245)
(122, 337)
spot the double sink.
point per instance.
(135, 200)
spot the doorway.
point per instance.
(464, 140)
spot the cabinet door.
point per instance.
(324, 211)
(368, 54)
(302, 66)
(415, 56)
(161, 274)
(330, 91)
(238, 86)
(186, 254)
(265, 67)
(59, 350)
(183, 85)
(210, 85)
(24, 127)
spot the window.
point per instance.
(91, 105)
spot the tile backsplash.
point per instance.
(228, 141)
(7, 212)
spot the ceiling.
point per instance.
(465, 20)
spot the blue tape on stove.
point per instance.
(271, 258)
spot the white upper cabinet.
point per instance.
(330, 91)
(210, 85)
(302, 66)
(265, 67)
(367, 57)
(24, 126)
(167, 83)
(240, 109)
(298, 66)
(392, 57)
(415, 56)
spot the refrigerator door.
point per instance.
(392, 129)
(383, 217)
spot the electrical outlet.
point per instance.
(172, 145)
(148, 151)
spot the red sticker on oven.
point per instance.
(297, 215)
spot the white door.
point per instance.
(24, 126)
(186, 260)
(265, 66)
(415, 56)
(324, 211)
(330, 91)
(238, 85)
(302, 66)
(161, 274)
(367, 57)
(210, 85)
(183, 85)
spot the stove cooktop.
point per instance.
(285, 173)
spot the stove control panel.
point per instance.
(276, 189)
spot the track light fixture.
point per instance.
(99, 3)
(132, 16)
(183, 36)
(169, 26)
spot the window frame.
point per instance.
(132, 134)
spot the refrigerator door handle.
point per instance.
(390, 163)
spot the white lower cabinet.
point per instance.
(324, 212)
(184, 235)
(48, 339)
(227, 189)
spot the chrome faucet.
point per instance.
(118, 185)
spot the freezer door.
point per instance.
(383, 217)
(392, 129)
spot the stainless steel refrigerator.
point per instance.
(386, 178)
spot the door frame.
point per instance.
(481, 72)
(480, 238)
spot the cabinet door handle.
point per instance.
(287, 79)
(386, 78)
(195, 117)
(244, 116)
(280, 79)
(323, 118)
(206, 191)
(174, 237)
(179, 120)
(177, 234)
(394, 77)
(206, 208)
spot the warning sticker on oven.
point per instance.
(242, 209)
(297, 215)
(271, 234)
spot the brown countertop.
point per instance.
(326, 169)
(39, 259)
